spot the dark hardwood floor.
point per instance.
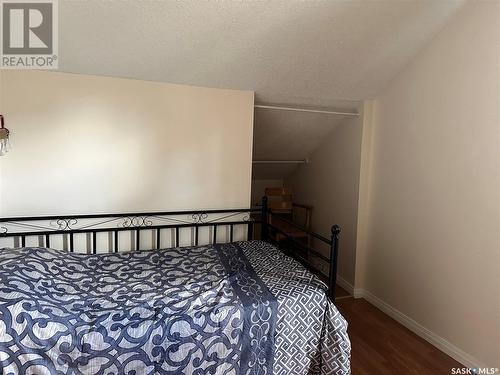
(340, 292)
(380, 345)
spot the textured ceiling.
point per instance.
(296, 52)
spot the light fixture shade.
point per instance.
(4, 138)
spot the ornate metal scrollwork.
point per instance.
(199, 218)
(136, 221)
(66, 224)
(3, 230)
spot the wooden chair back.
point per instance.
(279, 199)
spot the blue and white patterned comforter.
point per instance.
(240, 308)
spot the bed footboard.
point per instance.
(312, 258)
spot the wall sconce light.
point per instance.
(4, 138)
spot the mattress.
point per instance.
(237, 308)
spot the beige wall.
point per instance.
(330, 183)
(433, 243)
(86, 144)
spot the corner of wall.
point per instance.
(250, 197)
(364, 194)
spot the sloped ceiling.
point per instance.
(296, 52)
(285, 135)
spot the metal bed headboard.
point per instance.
(151, 230)
(69, 226)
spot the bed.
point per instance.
(225, 307)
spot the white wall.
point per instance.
(86, 144)
(433, 246)
(330, 183)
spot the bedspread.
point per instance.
(239, 308)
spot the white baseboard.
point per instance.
(346, 285)
(445, 346)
